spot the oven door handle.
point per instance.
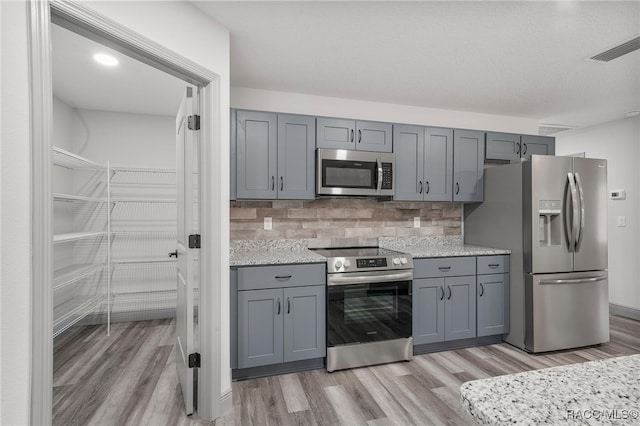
(336, 279)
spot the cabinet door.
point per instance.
(260, 335)
(408, 148)
(460, 308)
(335, 133)
(540, 145)
(304, 323)
(296, 149)
(493, 301)
(428, 310)
(502, 146)
(468, 161)
(257, 155)
(438, 164)
(373, 136)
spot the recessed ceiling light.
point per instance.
(633, 113)
(105, 59)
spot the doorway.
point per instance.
(84, 21)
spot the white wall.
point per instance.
(178, 26)
(124, 139)
(15, 225)
(298, 103)
(619, 143)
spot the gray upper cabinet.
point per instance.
(296, 149)
(304, 323)
(256, 136)
(233, 155)
(424, 163)
(336, 133)
(468, 163)
(539, 145)
(509, 146)
(438, 164)
(274, 156)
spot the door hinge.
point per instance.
(194, 241)
(193, 122)
(194, 360)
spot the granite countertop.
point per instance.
(603, 392)
(436, 247)
(271, 252)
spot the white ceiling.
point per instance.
(131, 86)
(524, 59)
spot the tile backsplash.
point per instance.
(330, 221)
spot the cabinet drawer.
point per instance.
(444, 267)
(261, 277)
(493, 264)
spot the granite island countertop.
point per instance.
(271, 252)
(419, 247)
(599, 392)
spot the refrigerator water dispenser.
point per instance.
(550, 222)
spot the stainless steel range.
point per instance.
(368, 307)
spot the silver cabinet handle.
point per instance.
(524, 145)
(481, 289)
(420, 192)
(359, 135)
(518, 148)
(273, 183)
(288, 306)
(575, 280)
(278, 307)
(281, 183)
(581, 195)
(282, 277)
(442, 294)
(449, 296)
(457, 188)
(351, 135)
(444, 268)
(427, 191)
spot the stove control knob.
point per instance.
(347, 263)
(396, 261)
(403, 260)
(338, 264)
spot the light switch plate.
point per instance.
(416, 222)
(622, 221)
(268, 223)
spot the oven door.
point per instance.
(368, 307)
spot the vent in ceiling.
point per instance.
(552, 129)
(617, 51)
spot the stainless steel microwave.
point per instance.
(346, 172)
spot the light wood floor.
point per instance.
(129, 378)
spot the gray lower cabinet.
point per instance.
(468, 165)
(493, 295)
(338, 133)
(444, 307)
(424, 163)
(278, 314)
(509, 146)
(274, 156)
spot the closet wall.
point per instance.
(141, 151)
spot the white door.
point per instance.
(187, 187)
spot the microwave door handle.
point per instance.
(379, 186)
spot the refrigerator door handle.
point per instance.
(575, 280)
(575, 211)
(581, 229)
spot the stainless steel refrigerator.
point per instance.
(552, 213)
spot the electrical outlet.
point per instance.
(268, 223)
(622, 221)
(416, 222)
